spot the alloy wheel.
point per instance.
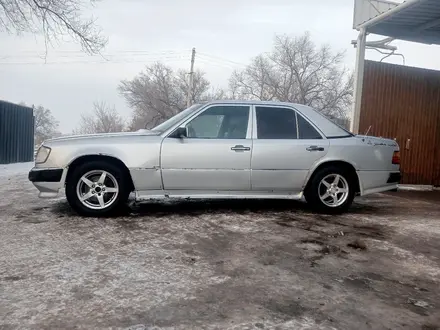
(97, 189)
(333, 190)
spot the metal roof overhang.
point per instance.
(413, 20)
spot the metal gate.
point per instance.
(16, 133)
(403, 103)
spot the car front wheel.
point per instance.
(97, 189)
(331, 190)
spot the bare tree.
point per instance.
(104, 119)
(52, 18)
(45, 124)
(218, 94)
(297, 71)
(158, 93)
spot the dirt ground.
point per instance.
(219, 265)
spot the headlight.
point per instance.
(42, 155)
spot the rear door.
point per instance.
(285, 147)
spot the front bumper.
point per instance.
(45, 175)
(47, 181)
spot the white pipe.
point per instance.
(358, 81)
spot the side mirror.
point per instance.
(181, 133)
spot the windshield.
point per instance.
(166, 125)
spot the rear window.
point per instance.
(306, 131)
(326, 126)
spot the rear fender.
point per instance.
(328, 162)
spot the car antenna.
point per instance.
(368, 131)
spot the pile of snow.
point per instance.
(15, 169)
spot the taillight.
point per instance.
(396, 158)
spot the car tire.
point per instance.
(97, 188)
(331, 190)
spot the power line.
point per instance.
(114, 52)
(86, 57)
(119, 57)
(218, 58)
(83, 58)
(113, 61)
(218, 64)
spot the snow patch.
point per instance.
(411, 187)
(7, 170)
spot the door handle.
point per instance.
(240, 148)
(315, 148)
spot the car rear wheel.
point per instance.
(97, 189)
(331, 190)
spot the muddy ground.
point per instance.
(219, 265)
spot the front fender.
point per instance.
(133, 151)
(140, 156)
(63, 156)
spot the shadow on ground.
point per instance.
(197, 207)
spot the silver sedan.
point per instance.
(221, 149)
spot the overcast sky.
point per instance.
(225, 33)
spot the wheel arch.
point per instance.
(111, 159)
(338, 163)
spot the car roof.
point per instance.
(251, 102)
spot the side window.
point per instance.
(306, 131)
(276, 123)
(220, 122)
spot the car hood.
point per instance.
(141, 132)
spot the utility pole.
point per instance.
(191, 74)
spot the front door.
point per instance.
(285, 147)
(215, 155)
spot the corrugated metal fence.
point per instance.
(16, 133)
(403, 103)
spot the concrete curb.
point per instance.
(414, 187)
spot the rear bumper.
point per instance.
(47, 181)
(378, 181)
(394, 177)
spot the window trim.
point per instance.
(297, 113)
(340, 136)
(185, 121)
(297, 125)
